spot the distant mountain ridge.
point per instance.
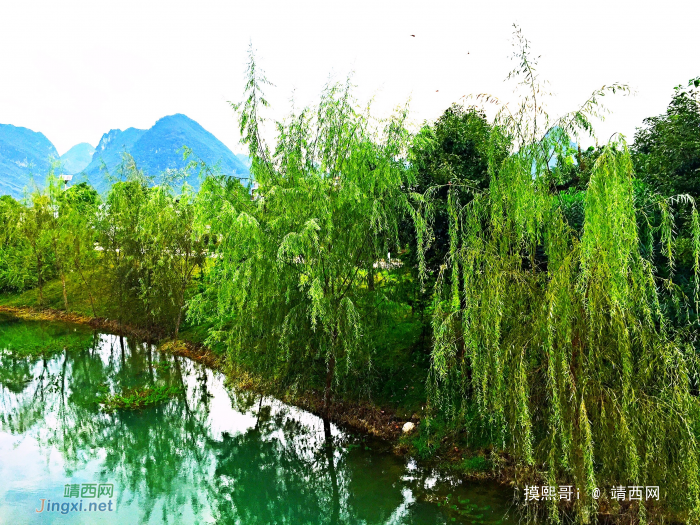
(245, 159)
(160, 149)
(155, 151)
(24, 154)
(77, 158)
(108, 154)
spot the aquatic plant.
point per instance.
(138, 398)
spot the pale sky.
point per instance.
(76, 69)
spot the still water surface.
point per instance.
(210, 455)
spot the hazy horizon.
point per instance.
(79, 69)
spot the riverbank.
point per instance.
(381, 422)
(397, 393)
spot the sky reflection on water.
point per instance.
(210, 455)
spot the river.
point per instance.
(211, 454)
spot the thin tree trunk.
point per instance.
(65, 295)
(61, 273)
(41, 282)
(87, 287)
(335, 504)
(330, 372)
(177, 324)
(181, 305)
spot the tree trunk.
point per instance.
(41, 282)
(61, 273)
(87, 287)
(335, 504)
(177, 324)
(330, 372)
(65, 295)
(181, 304)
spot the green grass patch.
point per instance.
(37, 348)
(21, 339)
(138, 398)
(78, 298)
(475, 464)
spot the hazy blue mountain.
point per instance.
(77, 158)
(108, 153)
(23, 153)
(155, 151)
(245, 159)
(160, 149)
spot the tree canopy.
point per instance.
(667, 146)
(288, 289)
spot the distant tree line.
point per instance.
(134, 252)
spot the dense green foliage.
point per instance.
(544, 298)
(449, 156)
(667, 147)
(132, 255)
(555, 330)
(292, 283)
(666, 155)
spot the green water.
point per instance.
(209, 455)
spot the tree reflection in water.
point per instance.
(211, 455)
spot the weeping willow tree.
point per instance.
(290, 289)
(174, 254)
(118, 226)
(556, 334)
(16, 261)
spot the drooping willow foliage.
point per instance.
(292, 284)
(556, 334)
